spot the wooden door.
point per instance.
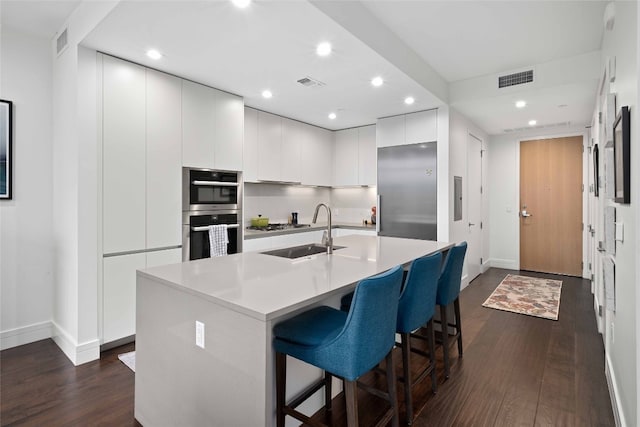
(474, 206)
(551, 205)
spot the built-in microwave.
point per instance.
(206, 189)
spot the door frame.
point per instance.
(585, 193)
(466, 202)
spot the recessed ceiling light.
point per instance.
(154, 54)
(267, 94)
(332, 116)
(409, 100)
(521, 104)
(377, 81)
(241, 4)
(323, 49)
(532, 122)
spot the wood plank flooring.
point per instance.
(516, 371)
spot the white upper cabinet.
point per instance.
(292, 134)
(367, 156)
(390, 131)
(163, 166)
(250, 159)
(317, 157)
(421, 127)
(198, 125)
(123, 139)
(269, 147)
(229, 127)
(346, 158)
(212, 128)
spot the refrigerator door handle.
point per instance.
(378, 214)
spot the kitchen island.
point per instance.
(228, 378)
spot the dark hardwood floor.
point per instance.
(516, 371)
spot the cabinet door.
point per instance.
(421, 127)
(168, 256)
(229, 124)
(367, 159)
(163, 213)
(250, 157)
(346, 158)
(269, 147)
(291, 137)
(317, 157)
(198, 125)
(119, 295)
(123, 158)
(390, 131)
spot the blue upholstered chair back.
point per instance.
(418, 299)
(451, 275)
(369, 333)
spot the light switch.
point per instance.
(619, 232)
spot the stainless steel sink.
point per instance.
(300, 251)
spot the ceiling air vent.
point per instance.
(310, 82)
(515, 79)
(61, 42)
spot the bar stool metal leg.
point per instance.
(431, 339)
(444, 325)
(393, 394)
(351, 394)
(456, 307)
(405, 344)
(281, 381)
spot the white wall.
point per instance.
(352, 205)
(277, 201)
(459, 129)
(503, 176)
(621, 344)
(26, 242)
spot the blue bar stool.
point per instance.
(345, 345)
(448, 293)
(416, 307)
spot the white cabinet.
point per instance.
(269, 147)
(421, 127)
(163, 160)
(123, 155)
(390, 131)
(346, 158)
(407, 129)
(198, 125)
(250, 159)
(229, 123)
(212, 128)
(292, 133)
(367, 156)
(119, 289)
(355, 157)
(317, 157)
(119, 295)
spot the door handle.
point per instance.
(525, 214)
(471, 224)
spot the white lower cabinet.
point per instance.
(119, 289)
(119, 295)
(294, 239)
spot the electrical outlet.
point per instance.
(200, 334)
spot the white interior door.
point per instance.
(474, 206)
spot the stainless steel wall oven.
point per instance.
(210, 197)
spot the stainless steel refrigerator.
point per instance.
(407, 191)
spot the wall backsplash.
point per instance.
(277, 201)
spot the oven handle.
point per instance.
(216, 183)
(206, 228)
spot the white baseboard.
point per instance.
(508, 264)
(618, 413)
(77, 353)
(25, 335)
(596, 309)
(485, 266)
(464, 281)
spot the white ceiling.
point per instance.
(271, 45)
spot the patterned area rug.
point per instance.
(527, 295)
(129, 359)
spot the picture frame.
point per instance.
(6, 136)
(622, 156)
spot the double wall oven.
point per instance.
(210, 197)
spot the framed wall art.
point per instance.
(6, 132)
(622, 156)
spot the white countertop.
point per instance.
(266, 287)
(257, 234)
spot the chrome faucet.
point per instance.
(327, 240)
